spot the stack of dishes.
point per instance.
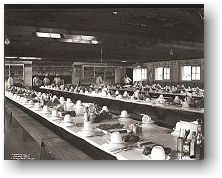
(116, 141)
(79, 108)
(67, 122)
(55, 115)
(45, 109)
(62, 100)
(30, 104)
(25, 101)
(125, 117)
(69, 105)
(160, 100)
(37, 106)
(87, 130)
(146, 121)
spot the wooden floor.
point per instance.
(13, 143)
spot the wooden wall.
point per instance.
(73, 72)
(27, 71)
(52, 68)
(175, 72)
(78, 73)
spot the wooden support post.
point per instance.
(42, 152)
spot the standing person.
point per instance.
(127, 80)
(99, 80)
(57, 80)
(46, 80)
(36, 82)
(11, 80)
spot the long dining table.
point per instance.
(164, 115)
(98, 146)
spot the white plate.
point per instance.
(151, 122)
(26, 103)
(67, 124)
(43, 112)
(124, 117)
(122, 142)
(112, 146)
(37, 109)
(87, 133)
(175, 133)
(29, 106)
(166, 158)
(187, 158)
(55, 118)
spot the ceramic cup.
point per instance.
(105, 108)
(45, 109)
(158, 153)
(67, 118)
(116, 138)
(37, 105)
(68, 100)
(124, 114)
(146, 119)
(61, 99)
(30, 102)
(78, 102)
(55, 113)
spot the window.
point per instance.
(162, 73)
(139, 74)
(195, 73)
(191, 73)
(166, 73)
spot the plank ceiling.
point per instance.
(125, 33)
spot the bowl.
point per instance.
(157, 153)
(124, 114)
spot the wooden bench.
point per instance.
(9, 112)
(59, 149)
(48, 141)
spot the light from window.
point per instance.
(162, 73)
(166, 73)
(139, 74)
(159, 73)
(191, 73)
(195, 73)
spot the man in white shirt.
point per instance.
(11, 80)
(127, 80)
(57, 80)
(36, 81)
(99, 80)
(46, 80)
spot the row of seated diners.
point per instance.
(67, 109)
(165, 107)
(153, 90)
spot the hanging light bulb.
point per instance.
(171, 50)
(101, 53)
(7, 41)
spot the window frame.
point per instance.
(191, 72)
(163, 74)
(141, 76)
